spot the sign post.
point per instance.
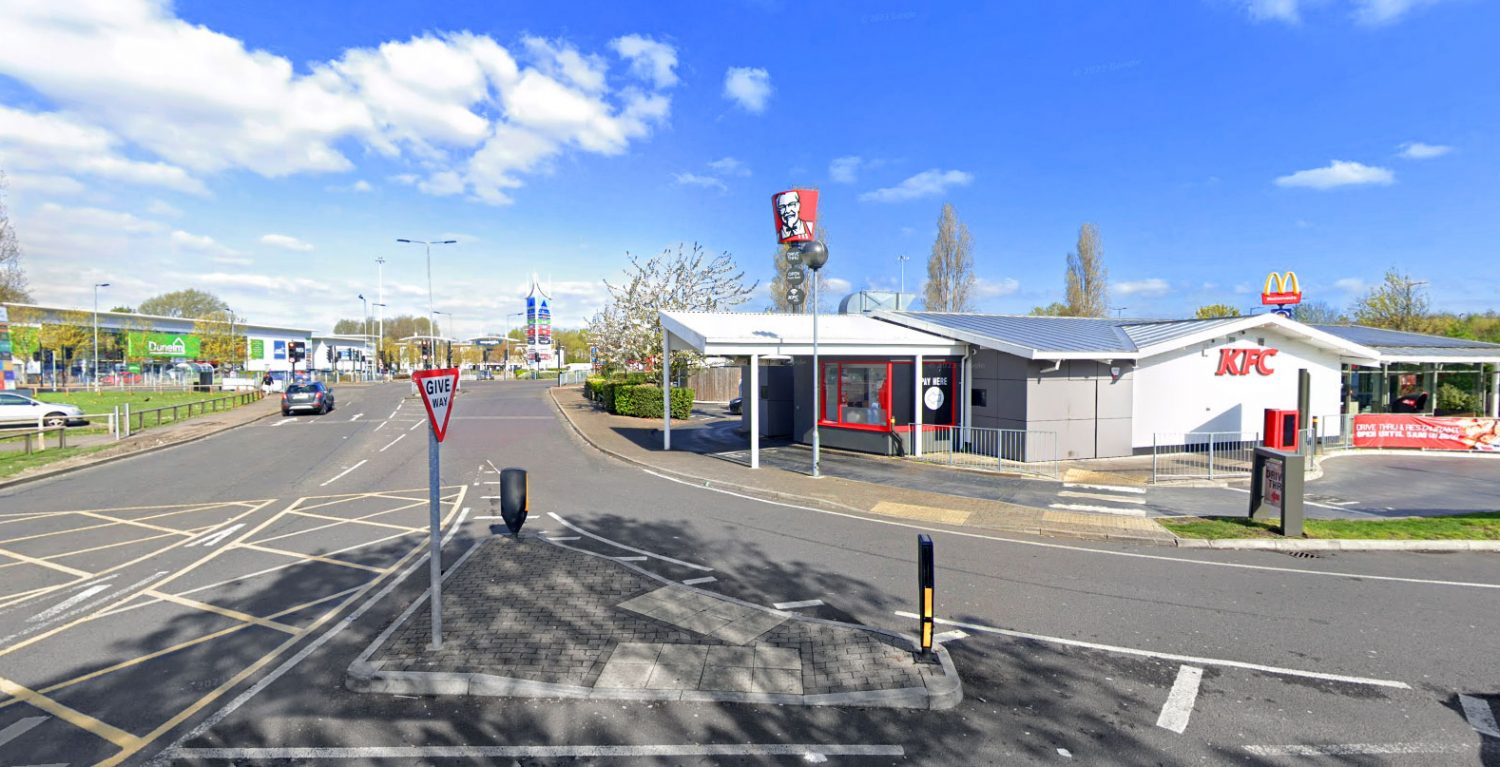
(437, 388)
(1276, 488)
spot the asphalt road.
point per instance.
(193, 605)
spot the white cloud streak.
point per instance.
(749, 87)
(1416, 150)
(1150, 287)
(286, 242)
(693, 179)
(845, 170)
(1336, 174)
(929, 183)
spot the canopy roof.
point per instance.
(729, 334)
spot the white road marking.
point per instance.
(345, 471)
(1086, 549)
(1304, 502)
(488, 482)
(630, 559)
(564, 538)
(68, 603)
(488, 497)
(1107, 488)
(20, 727)
(697, 581)
(1179, 706)
(538, 752)
(1098, 509)
(1361, 749)
(491, 516)
(171, 752)
(1481, 717)
(618, 545)
(1169, 656)
(797, 605)
(392, 442)
(381, 425)
(950, 636)
(79, 610)
(415, 425)
(1343, 503)
(209, 539)
(1100, 497)
(282, 422)
(357, 416)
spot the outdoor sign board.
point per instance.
(143, 344)
(257, 348)
(1281, 290)
(437, 388)
(796, 215)
(7, 375)
(278, 350)
(1275, 484)
(1241, 362)
(1428, 433)
(538, 321)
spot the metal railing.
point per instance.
(1008, 450)
(137, 420)
(572, 377)
(36, 441)
(1202, 454)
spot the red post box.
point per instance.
(1283, 428)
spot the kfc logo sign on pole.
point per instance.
(796, 215)
(1239, 362)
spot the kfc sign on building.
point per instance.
(1241, 362)
(796, 215)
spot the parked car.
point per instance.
(735, 405)
(314, 397)
(18, 409)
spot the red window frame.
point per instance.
(885, 392)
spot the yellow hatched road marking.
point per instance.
(266, 659)
(224, 611)
(309, 557)
(9, 541)
(44, 563)
(78, 719)
(358, 521)
(66, 554)
(132, 523)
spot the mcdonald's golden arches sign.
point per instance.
(1281, 290)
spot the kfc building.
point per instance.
(1097, 388)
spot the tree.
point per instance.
(628, 331)
(217, 339)
(69, 338)
(1054, 309)
(1087, 282)
(1318, 313)
(12, 279)
(950, 268)
(1214, 311)
(1398, 303)
(190, 303)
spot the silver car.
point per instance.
(16, 409)
(312, 397)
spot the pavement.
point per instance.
(533, 617)
(202, 605)
(712, 455)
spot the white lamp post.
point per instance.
(428, 245)
(97, 285)
(815, 255)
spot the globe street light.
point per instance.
(428, 245)
(97, 285)
(815, 255)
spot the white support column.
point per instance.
(916, 388)
(666, 388)
(1495, 393)
(964, 404)
(753, 395)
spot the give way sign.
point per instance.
(437, 388)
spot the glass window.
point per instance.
(859, 394)
(830, 392)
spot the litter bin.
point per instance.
(205, 381)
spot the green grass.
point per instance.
(1481, 526)
(105, 401)
(12, 463)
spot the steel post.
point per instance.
(435, 546)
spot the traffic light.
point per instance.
(328, 353)
(296, 350)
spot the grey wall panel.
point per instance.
(1054, 399)
(1114, 437)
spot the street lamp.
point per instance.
(97, 285)
(380, 340)
(815, 255)
(428, 245)
(364, 316)
(380, 302)
(902, 289)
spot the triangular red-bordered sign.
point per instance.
(437, 388)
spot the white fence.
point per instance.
(1008, 450)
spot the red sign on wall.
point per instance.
(796, 213)
(1428, 433)
(1240, 362)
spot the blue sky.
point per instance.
(271, 151)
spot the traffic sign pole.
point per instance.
(437, 388)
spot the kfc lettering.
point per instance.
(1239, 362)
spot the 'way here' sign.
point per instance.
(437, 388)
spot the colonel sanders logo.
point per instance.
(796, 212)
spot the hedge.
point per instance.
(593, 388)
(644, 400)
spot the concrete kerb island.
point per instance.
(581, 625)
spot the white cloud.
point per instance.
(361, 186)
(52, 141)
(649, 59)
(44, 184)
(446, 103)
(286, 241)
(1353, 285)
(1147, 288)
(1377, 12)
(729, 166)
(837, 286)
(1370, 12)
(72, 239)
(750, 87)
(1338, 173)
(208, 246)
(163, 208)
(845, 170)
(1276, 10)
(995, 288)
(928, 183)
(98, 218)
(693, 179)
(1416, 150)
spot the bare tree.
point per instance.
(1088, 291)
(12, 279)
(950, 268)
(1399, 303)
(628, 331)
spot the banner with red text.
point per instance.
(1427, 433)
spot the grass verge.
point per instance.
(12, 463)
(1479, 526)
(105, 401)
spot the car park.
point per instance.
(19, 409)
(307, 397)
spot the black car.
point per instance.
(735, 405)
(313, 397)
